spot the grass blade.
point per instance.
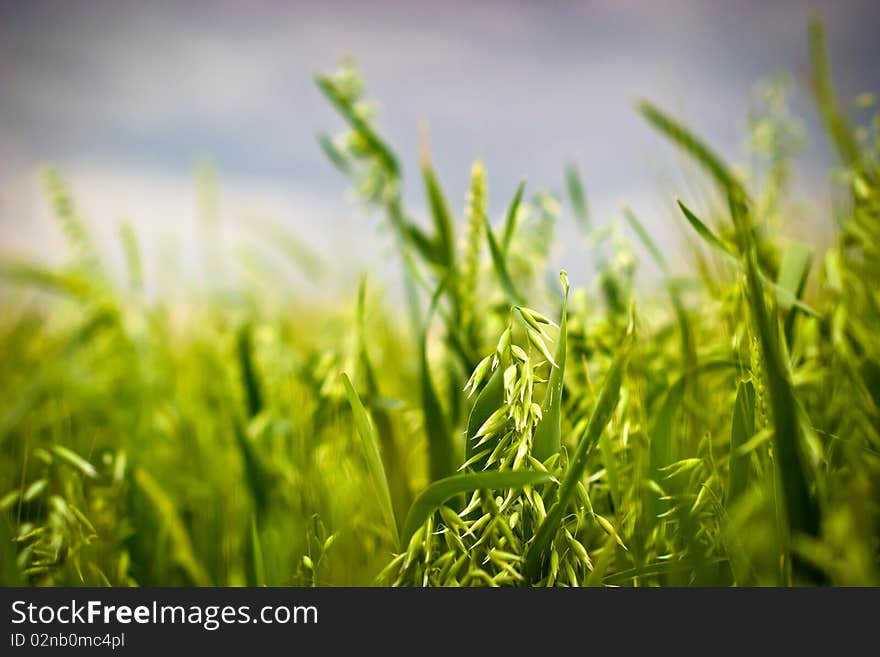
(741, 430)
(374, 460)
(441, 449)
(793, 273)
(512, 215)
(605, 405)
(489, 399)
(802, 512)
(546, 441)
(439, 213)
(514, 298)
(577, 196)
(430, 499)
(182, 554)
(835, 120)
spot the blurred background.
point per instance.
(126, 98)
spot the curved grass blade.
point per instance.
(511, 217)
(257, 478)
(514, 298)
(439, 213)
(741, 430)
(253, 394)
(575, 187)
(546, 441)
(430, 499)
(693, 146)
(401, 494)
(802, 512)
(374, 460)
(488, 401)
(786, 298)
(835, 120)
(688, 350)
(166, 510)
(441, 449)
(793, 273)
(605, 405)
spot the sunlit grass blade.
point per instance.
(443, 225)
(801, 508)
(836, 122)
(391, 456)
(430, 499)
(512, 216)
(577, 196)
(441, 450)
(691, 144)
(793, 273)
(547, 438)
(488, 401)
(605, 405)
(741, 430)
(166, 510)
(514, 298)
(785, 298)
(374, 459)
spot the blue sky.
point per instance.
(123, 97)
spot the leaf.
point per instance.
(546, 441)
(432, 497)
(605, 405)
(688, 350)
(182, 551)
(440, 214)
(514, 298)
(374, 460)
(793, 272)
(379, 406)
(250, 382)
(741, 430)
(785, 297)
(836, 122)
(511, 217)
(802, 512)
(577, 196)
(440, 446)
(693, 146)
(706, 233)
(488, 401)
(255, 474)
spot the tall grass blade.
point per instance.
(741, 430)
(374, 460)
(578, 197)
(547, 438)
(605, 405)
(512, 216)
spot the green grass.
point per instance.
(721, 428)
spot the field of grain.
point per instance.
(495, 426)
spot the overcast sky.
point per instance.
(125, 96)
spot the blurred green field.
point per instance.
(499, 427)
